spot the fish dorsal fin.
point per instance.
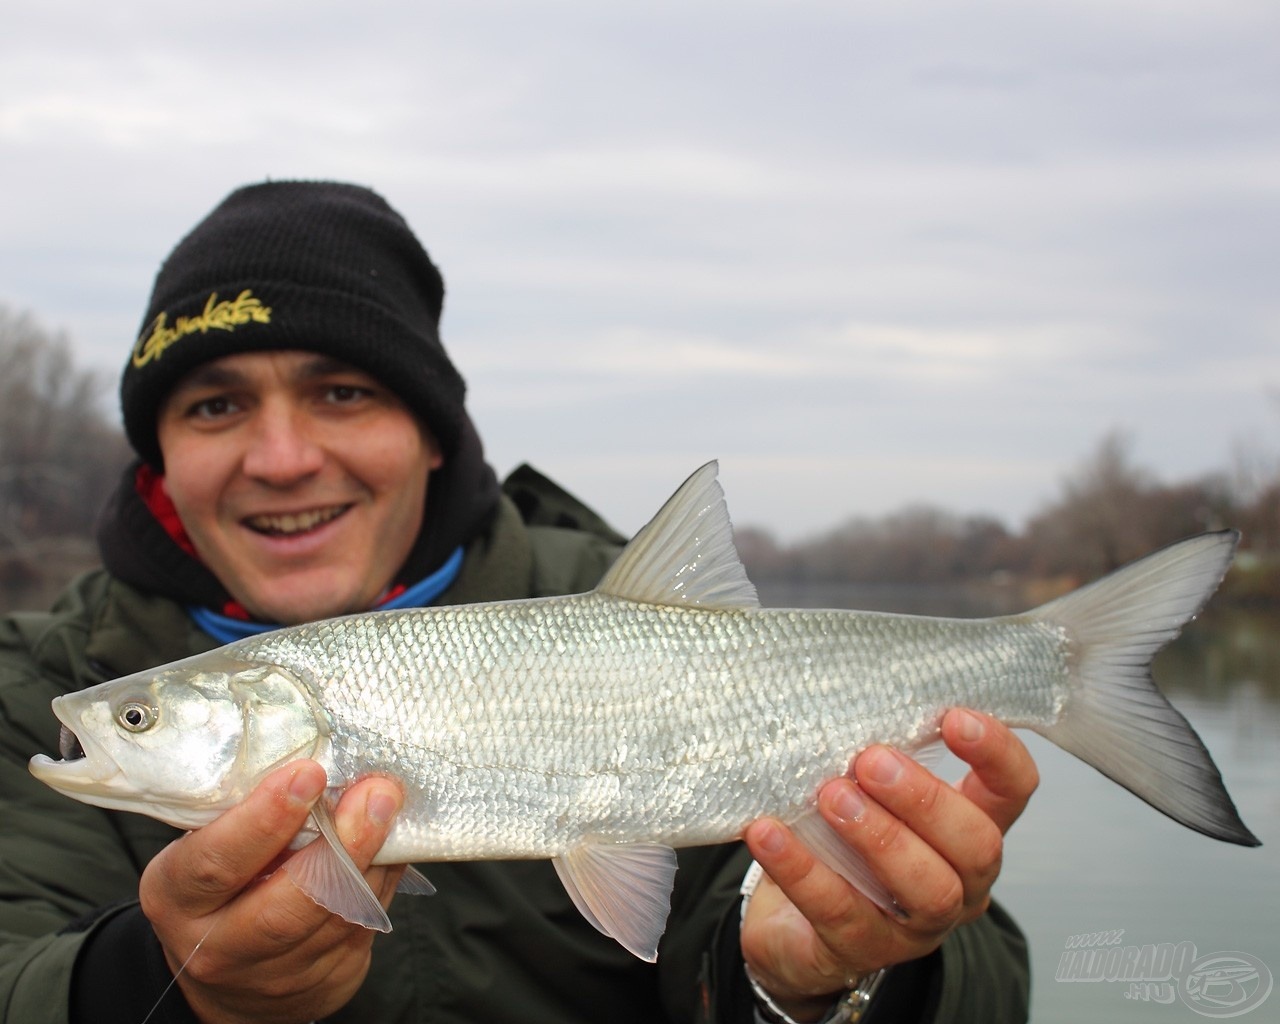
(623, 889)
(685, 554)
(325, 871)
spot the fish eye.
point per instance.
(136, 716)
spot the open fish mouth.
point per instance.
(81, 769)
(69, 745)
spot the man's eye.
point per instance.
(212, 408)
(345, 393)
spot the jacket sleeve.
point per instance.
(61, 862)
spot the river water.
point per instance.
(1089, 867)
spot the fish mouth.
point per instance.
(69, 745)
(81, 770)
(288, 524)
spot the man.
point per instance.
(304, 451)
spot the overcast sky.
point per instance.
(864, 254)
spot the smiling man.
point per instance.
(299, 480)
(304, 451)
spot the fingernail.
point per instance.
(306, 786)
(769, 837)
(848, 804)
(885, 766)
(971, 727)
(381, 808)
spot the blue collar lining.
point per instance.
(225, 629)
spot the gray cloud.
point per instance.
(866, 255)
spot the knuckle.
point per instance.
(279, 985)
(212, 873)
(1030, 777)
(930, 796)
(893, 834)
(989, 855)
(979, 908)
(206, 966)
(944, 904)
(283, 922)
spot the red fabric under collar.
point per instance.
(151, 489)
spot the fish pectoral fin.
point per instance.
(623, 889)
(414, 883)
(325, 871)
(812, 829)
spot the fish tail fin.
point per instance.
(1115, 718)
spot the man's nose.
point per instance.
(282, 450)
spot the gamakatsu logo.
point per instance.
(1224, 984)
(224, 315)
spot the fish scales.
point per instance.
(596, 717)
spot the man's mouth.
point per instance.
(289, 523)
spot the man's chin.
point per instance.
(304, 600)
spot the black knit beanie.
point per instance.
(317, 266)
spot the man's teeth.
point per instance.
(298, 522)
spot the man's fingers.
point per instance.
(933, 842)
(207, 868)
(364, 818)
(1003, 775)
(840, 918)
(805, 880)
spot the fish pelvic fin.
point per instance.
(325, 872)
(685, 555)
(623, 889)
(1115, 718)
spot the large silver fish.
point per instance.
(663, 709)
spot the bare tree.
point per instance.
(59, 454)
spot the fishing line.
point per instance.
(174, 980)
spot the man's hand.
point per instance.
(269, 953)
(808, 934)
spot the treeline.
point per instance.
(1108, 513)
(61, 451)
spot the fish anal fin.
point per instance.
(929, 755)
(326, 873)
(624, 890)
(685, 555)
(812, 829)
(414, 883)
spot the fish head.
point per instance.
(182, 742)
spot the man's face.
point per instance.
(300, 480)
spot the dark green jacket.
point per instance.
(500, 940)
